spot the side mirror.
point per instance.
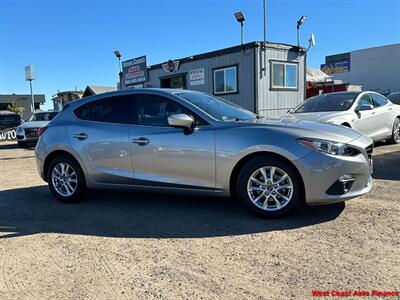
(180, 121)
(289, 111)
(364, 107)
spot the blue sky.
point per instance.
(71, 42)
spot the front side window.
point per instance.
(365, 100)
(108, 110)
(378, 100)
(225, 80)
(154, 110)
(284, 75)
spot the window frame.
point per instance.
(224, 68)
(272, 87)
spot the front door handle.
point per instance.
(142, 141)
(80, 136)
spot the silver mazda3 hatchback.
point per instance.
(191, 142)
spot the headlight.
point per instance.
(20, 129)
(329, 147)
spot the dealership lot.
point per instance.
(136, 245)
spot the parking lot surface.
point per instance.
(120, 245)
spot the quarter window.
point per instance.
(108, 110)
(284, 75)
(225, 80)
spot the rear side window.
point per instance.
(378, 100)
(108, 110)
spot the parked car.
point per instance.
(9, 119)
(394, 98)
(369, 112)
(27, 131)
(191, 142)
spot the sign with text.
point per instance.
(336, 66)
(29, 72)
(196, 77)
(134, 71)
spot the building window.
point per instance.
(225, 80)
(284, 75)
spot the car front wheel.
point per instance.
(66, 179)
(270, 187)
(396, 132)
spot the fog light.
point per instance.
(341, 186)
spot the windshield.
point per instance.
(218, 108)
(47, 116)
(328, 102)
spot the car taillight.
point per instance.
(41, 130)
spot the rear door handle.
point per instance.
(80, 136)
(142, 141)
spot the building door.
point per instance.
(175, 82)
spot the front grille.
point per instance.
(31, 132)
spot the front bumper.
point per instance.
(27, 135)
(321, 171)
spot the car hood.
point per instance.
(310, 129)
(34, 124)
(317, 116)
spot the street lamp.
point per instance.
(240, 18)
(118, 55)
(299, 22)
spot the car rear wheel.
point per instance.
(270, 187)
(66, 179)
(396, 132)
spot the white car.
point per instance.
(27, 131)
(368, 112)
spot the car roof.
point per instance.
(157, 91)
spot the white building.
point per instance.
(376, 69)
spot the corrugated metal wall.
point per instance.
(252, 82)
(244, 61)
(272, 103)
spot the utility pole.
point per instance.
(265, 37)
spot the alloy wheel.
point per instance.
(270, 188)
(64, 179)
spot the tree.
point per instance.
(15, 108)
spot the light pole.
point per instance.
(240, 18)
(118, 56)
(299, 22)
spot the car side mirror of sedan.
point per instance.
(364, 107)
(180, 121)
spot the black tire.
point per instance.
(80, 185)
(22, 144)
(395, 139)
(297, 199)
